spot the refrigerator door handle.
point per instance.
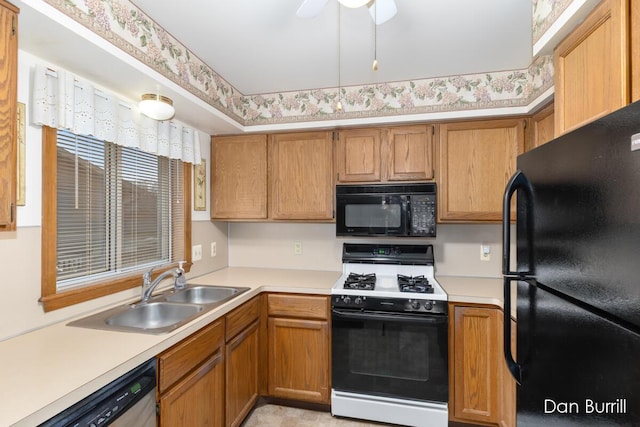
(514, 368)
(517, 182)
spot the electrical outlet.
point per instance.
(196, 253)
(485, 253)
(213, 249)
(297, 248)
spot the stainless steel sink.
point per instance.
(204, 294)
(153, 315)
(163, 312)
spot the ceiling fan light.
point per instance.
(353, 3)
(382, 10)
(157, 107)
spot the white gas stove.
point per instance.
(389, 336)
(404, 272)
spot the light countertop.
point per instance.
(45, 371)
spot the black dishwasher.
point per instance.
(130, 397)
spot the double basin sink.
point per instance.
(162, 313)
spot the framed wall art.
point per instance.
(200, 186)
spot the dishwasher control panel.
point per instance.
(112, 401)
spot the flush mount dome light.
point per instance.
(157, 107)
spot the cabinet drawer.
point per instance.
(242, 317)
(305, 306)
(180, 359)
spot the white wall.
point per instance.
(20, 310)
(271, 245)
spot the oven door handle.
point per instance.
(433, 319)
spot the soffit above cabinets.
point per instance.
(262, 47)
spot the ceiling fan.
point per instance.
(380, 10)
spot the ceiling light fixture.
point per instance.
(157, 107)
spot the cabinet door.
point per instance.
(634, 24)
(239, 177)
(299, 359)
(358, 156)
(197, 400)
(301, 176)
(542, 127)
(242, 375)
(8, 114)
(409, 153)
(591, 67)
(477, 365)
(476, 159)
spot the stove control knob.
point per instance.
(415, 305)
(428, 305)
(358, 301)
(346, 300)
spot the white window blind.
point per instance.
(119, 209)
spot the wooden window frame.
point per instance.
(51, 298)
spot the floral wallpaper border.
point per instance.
(545, 13)
(123, 24)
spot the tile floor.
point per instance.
(270, 415)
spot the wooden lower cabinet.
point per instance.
(242, 361)
(298, 341)
(190, 390)
(298, 359)
(197, 399)
(481, 390)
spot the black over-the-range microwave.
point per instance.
(395, 210)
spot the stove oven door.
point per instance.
(395, 355)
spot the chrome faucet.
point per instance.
(148, 286)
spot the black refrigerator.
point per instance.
(576, 275)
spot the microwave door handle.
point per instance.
(406, 201)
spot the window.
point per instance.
(110, 213)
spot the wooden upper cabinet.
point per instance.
(591, 67)
(301, 176)
(410, 153)
(358, 155)
(476, 160)
(8, 114)
(542, 127)
(239, 177)
(403, 153)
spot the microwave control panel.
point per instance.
(423, 215)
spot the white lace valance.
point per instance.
(62, 101)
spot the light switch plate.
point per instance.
(485, 252)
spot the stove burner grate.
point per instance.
(360, 281)
(416, 284)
